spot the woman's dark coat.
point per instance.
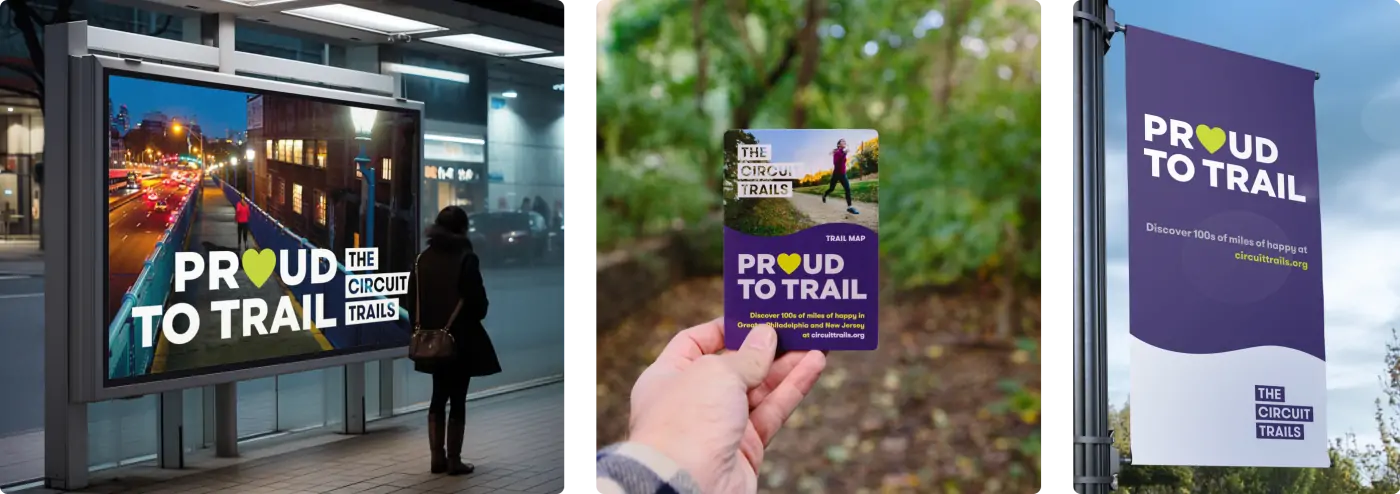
(449, 271)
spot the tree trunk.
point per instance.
(753, 94)
(810, 45)
(1007, 314)
(961, 12)
(702, 59)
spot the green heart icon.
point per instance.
(258, 265)
(1211, 137)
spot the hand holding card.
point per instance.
(796, 257)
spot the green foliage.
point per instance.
(867, 191)
(1370, 469)
(1343, 477)
(767, 218)
(953, 90)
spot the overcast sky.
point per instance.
(1354, 45)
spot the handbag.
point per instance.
(431, 346)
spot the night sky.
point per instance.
(215, 110)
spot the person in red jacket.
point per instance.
(240, 215)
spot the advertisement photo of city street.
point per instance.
(197, 173)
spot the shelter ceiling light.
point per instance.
(364, 19)
(257, 3)
(487, 45)
(463, 140)
(555, 61)
(445, 75)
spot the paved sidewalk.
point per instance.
(516, 441)
(21, 257)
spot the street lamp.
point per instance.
(363, 120)
(248, 157)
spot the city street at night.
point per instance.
(134, 227)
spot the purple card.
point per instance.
(801, 242)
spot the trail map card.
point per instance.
(801, 244)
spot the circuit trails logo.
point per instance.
(758, 177)
(295, 268)
(796, 287)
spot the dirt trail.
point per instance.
(834, 210)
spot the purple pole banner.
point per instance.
(1228, 358)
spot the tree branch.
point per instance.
(810, 45)
(24, 91)
(28, 22)
(702, 59)
(961, 13)
(736, 17)
(754, 93)
(26, 71)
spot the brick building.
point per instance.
(306, 178)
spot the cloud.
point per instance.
(1361, 271)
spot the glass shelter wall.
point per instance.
(486, 158)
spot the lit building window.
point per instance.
(321, 208)
(296, 198)
(298, 155)
(269, 149)
(321, 154)
(386, 169)
(281, 192)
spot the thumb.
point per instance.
(752, 359)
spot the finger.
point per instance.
(776, 374)
(693, 343)
(768, 417)
(753, 359)
(751, 447)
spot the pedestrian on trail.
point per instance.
(838, 175)
(445, 291)
(240, 215)
(701, 419)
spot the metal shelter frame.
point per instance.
(75, 56)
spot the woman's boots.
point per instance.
(436, 436)
(456, 430)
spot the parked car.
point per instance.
(509, 236)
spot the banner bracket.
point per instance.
(1107, 24)
(1094, 440)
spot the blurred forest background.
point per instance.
(950, 401)
(1356, 469)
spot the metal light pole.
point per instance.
(1094, 455)
(363, 119)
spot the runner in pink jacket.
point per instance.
(240, 215)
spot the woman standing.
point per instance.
(445, 289)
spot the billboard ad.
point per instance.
(1228, 358)
(237, 234)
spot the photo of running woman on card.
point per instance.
(838, 175)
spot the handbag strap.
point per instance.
(417, 300)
